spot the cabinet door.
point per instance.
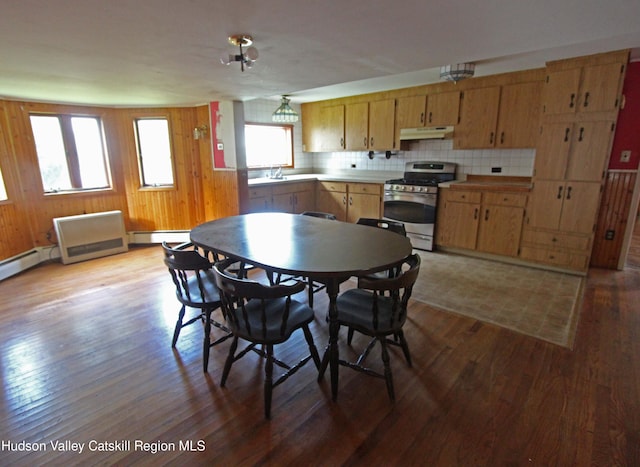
(443, 109)
(460, 226)
(410, 113)
(259, 204)
(545, 204)
(362, 205)
(552, 151)
(500, 229)
(381, 124)
(334, 202)
(356, 126)
(580, 207)
(303, 201)
(478, 119)
(519, 114)
(283, 203)
(600, 88)
(332, 128)
(589, 150)
(560, 93)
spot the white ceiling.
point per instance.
(167, 52)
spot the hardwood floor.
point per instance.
(86, 358)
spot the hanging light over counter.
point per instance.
(284, 113)
(457, 72)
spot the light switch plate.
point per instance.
(625, 156)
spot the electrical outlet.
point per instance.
(625, 156)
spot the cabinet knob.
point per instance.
(586, 100)
(559, 193)
(486, 215)
(572, 102)
(422, 117)
(568, 192)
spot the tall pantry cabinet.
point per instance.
(580, 103)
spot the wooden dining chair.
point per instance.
(378, 308)
(263, 315)
(193, 277)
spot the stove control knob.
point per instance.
(420, 189)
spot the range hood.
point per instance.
(433, 132)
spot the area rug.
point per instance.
(538, 303)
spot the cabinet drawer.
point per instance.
(464, 196)
(284, 188)
(333, 186)
(365, 188)
(552, 239)
(259, 192)
(558, 258)
(505, 199)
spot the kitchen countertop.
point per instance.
(491, 183)
(314, 177)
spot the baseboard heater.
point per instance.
(89, 236)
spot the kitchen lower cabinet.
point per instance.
(349, 201)
(293, 198)
(488, 222)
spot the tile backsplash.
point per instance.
(515, 162)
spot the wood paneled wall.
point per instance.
(26, 219)
(614, 211)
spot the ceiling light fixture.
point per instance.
(284, 113)
(246, 57)
(457, 72)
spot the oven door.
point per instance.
(418, 214)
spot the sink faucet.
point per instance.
(277, 175)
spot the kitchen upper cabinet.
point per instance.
(478, 118)
(410, 112)
(500, 116)
(592, 88)
(519, 115)
(357, 126)
(332, 131)
(370, 125)
(573, 151)
(443, 109)
(381, 125)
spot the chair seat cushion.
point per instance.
(354, 310)
(211, 294)
(270, 332)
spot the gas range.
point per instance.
(422, 177)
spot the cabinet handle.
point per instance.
(350, 201)
(502, 137)
(475, 213)
(581, 134)
(566, 134)
(568, 192)
(365, 141)
(486, 215)
(491, 138)
(344, 199)
(586, 100)
(341, 142)
(430, 116)
(371, 142)
(422, 117)
(572, 102)
(559, 193)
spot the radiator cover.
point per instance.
(89, 236)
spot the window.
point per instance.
(268, 145)
(3, 189)
(71, 152)
(154, 151)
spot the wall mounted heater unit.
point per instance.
(90, 236)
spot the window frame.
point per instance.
(71, 154)
(141, 179)
(289, 128)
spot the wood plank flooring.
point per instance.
(85, 357)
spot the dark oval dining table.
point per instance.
(326, 251)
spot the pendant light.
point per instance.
(284, 113)
(457, 72)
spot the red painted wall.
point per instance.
(627, 136)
